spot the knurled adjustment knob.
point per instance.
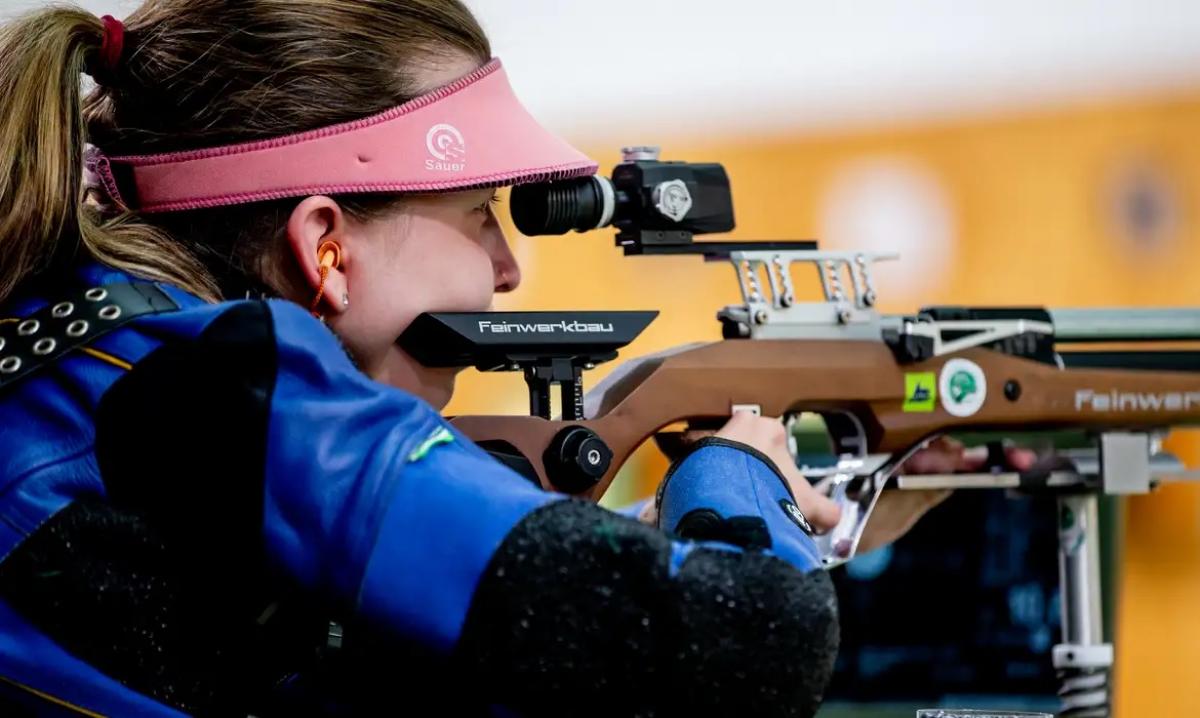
(576, 459)
(640, 153)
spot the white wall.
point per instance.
(598, 69)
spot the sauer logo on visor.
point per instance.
(448, 148)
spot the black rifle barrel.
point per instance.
(1126, 325)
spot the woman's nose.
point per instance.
(506, 270)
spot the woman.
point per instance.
(213, 447)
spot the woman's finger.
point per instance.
(649, 514)
(822, 513)
(1015, 459)
(943, 455)
(691, 436)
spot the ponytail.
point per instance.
(43, 216)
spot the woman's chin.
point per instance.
(437, 386)
(434, 385)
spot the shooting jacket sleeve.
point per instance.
(727, 491)
(544, 604)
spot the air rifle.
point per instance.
(884, 385)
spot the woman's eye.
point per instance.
(486, 207)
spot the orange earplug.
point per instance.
(329, 256)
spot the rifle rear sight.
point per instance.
(657, 207)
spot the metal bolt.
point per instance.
(844, 316)
(835, 281)
(787, 300)
(869, 298)
(760, 317)
(672, 199)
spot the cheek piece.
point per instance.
(472, 133)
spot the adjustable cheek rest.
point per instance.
(729, 492)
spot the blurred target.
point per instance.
(892, 205)
(1143, 207)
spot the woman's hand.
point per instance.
(768, 436)
(894, 514)
(897, 511)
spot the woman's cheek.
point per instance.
(471, 279)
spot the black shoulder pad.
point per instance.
(182, 437)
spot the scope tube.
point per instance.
(581, 204)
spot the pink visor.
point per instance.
(471, 133)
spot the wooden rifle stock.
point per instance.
(859, 378)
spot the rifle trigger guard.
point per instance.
(856, 496)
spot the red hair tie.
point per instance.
(113, 45)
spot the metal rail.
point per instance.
(1164, 468)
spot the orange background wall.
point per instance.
(1029, 201)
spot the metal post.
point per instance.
(1083, 660)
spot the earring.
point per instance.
(345, 300)
(329, 255)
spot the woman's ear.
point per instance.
(313, 224)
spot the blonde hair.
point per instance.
(194, 73)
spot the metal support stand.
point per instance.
(1121, 464)
(1083, 661)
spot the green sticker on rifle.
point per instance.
(920, 392)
